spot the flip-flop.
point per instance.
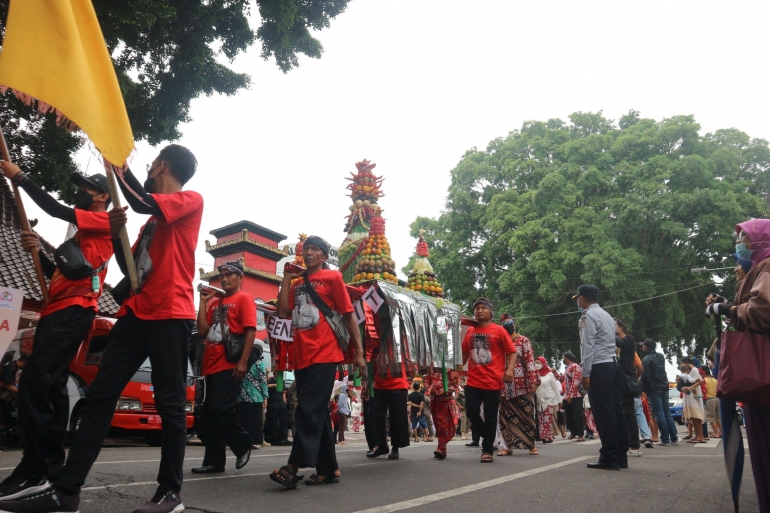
(314, 481)
(286, 477)
(486, 460)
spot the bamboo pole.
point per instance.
(24, 221)
(127, 255)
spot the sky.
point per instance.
(413, 85)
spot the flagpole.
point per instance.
(24, 221)
(127, 254)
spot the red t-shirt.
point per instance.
(165, 259)
(93, 235)
(240, 313)
(390, 383)
(314, 340)
(488, 348)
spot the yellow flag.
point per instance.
(54, 57)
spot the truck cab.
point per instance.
(135, 410)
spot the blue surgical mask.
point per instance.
(581, 309)
(742, 252)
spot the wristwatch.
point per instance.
(20, 178)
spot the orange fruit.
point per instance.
(370, 276)
(418, 287)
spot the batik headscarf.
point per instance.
(481, 301)
(758, 232)
(233, 266)
(544, 369)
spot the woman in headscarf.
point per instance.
(752, 308)
(548, 398)
(516, 420)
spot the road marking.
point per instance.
(145, 483)
(427, 499)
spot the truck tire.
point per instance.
(153, 438)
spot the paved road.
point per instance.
(690, 477)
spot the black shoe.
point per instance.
(16, 487)
(623, 464)
(48, 501)
(604, 466)
(243, 460)
(648, 444)
(379, 451)
(208, 469)
(472, 444)
(162, 502)
(393, 454)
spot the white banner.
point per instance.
(279, 328)
(10, 311)
(373, 298)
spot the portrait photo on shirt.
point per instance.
(305, 314)
(480, 352)
(142, 255)
(215, 330)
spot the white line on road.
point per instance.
(427, 499)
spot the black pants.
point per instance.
(314, 443)
(608, 413)
(575, 416)
(366, 406)
(132, 340)
(43, 402)
(277, 424)
(633, 428)
(220, 425)
(393, 401)
(250, 417)
(487, 428)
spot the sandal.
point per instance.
(286, 477)
(570, 437)
(314, 480)
(505, 452)
(439, 455)
(534, 452)
(486, 458)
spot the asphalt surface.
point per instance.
(690, 477)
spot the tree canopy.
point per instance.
(166, 53)
(630, 207)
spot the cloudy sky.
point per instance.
(412, 85)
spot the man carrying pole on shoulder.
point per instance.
(234, 314)
(64, 323)
(316, 356)
(154, 322)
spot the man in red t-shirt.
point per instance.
(154, 323)
(316, 356)
(64, 323)
(391, 392)
(219, 420)
(486, 347)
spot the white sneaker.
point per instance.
(637, 452)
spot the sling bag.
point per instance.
(335, 320)
(233, 343)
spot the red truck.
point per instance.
(135, 411)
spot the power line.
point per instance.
(619, 304)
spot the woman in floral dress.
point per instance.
(548, 399)
(516, 420)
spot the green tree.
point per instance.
(628, 206)
(167, 53)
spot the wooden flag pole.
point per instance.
(127, 255)
(24, 221)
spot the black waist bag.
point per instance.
(71, 262)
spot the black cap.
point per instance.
(588, 292)
(97, 182)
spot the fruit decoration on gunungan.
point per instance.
(365, 253)
(298, 260)
(422, 279)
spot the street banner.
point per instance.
(10, 311)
